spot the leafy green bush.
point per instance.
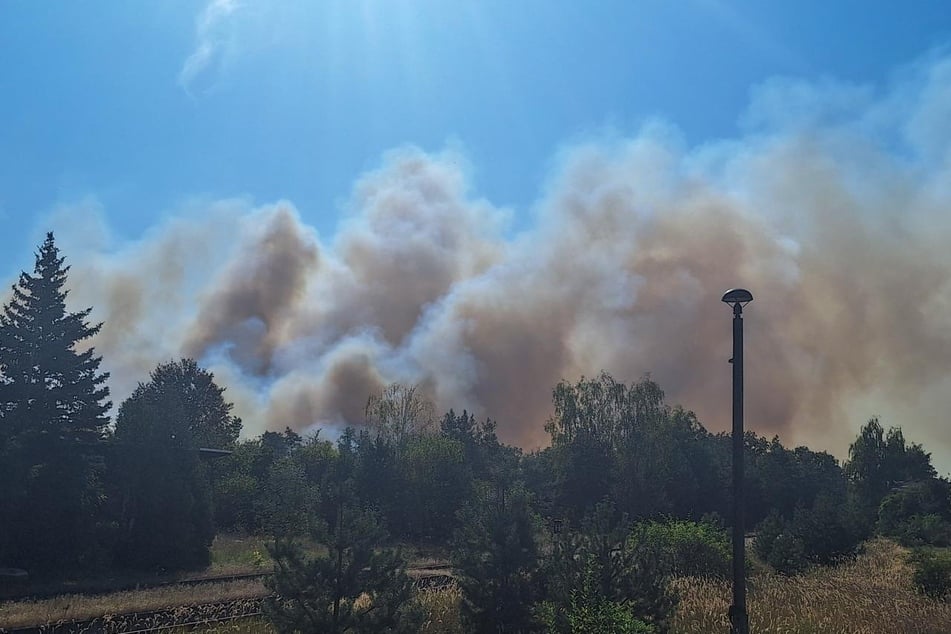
(687, 548)
(587, 609)
(932, 575)
(604, 579)
(587, 613)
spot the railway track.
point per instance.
(152, 621)
(188, 581)
(426, 579)
(109, 589)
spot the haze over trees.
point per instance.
(579, 536)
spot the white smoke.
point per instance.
(831, 207)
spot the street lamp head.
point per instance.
(736, 296)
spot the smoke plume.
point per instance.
(831, 206)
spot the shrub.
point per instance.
(586, 612)
(921, 530)
(688, 548)
(788, 554)
(766, 533)
(932, 574)
(604, 579)
(917, 514)
(824, 533)
(827, 529)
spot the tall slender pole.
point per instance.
(738, 616)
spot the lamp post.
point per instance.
(739, 619)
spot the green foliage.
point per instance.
(487, 459)
(587, 610)
(766, 533)
(828, 529)
(434, 483)
(164, 494)
(824, 533)
(788, 554)
(53, 412)
(921, 530)
(918, 514)
(357, 587)
(687, 548)
(206, 419)
(605, 572)
(880, 461)
(355, 584)
(624, 442)
(289, 502)
(782, 480)
(495, 555)
(932, 572)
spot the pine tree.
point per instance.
(53, 410)
(358, 587)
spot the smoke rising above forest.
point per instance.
(831, 205)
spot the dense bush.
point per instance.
(686, 548)
(588, 610)
(918, 514)
(932, 575)
(604, 574)
(921, 530)
(824, 533)
(828, 529)
(788, 554)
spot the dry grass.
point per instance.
(246, 626)
(871, 595)
(235, 554)
(441, 608)
(78, 606)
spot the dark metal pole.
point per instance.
(738, 616)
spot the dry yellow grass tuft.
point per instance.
(871, 595)
(441, 608)
(246, 626)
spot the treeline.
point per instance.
(579, 536)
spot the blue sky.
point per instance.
(143, 106)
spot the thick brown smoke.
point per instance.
(835, 217)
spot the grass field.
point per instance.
(871, 595)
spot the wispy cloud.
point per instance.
(212, 32)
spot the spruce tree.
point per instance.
(53, 411)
